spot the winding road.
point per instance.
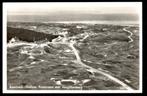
(96, 70)
(130, 36)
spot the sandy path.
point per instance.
(130, 36)
(96, 70)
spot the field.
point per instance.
(70, 61)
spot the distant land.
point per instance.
(107, 18)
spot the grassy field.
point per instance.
(54, 64)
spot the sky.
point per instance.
(75, 11)
(70, 8)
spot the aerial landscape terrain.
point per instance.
(72, 56)
(79, 47)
